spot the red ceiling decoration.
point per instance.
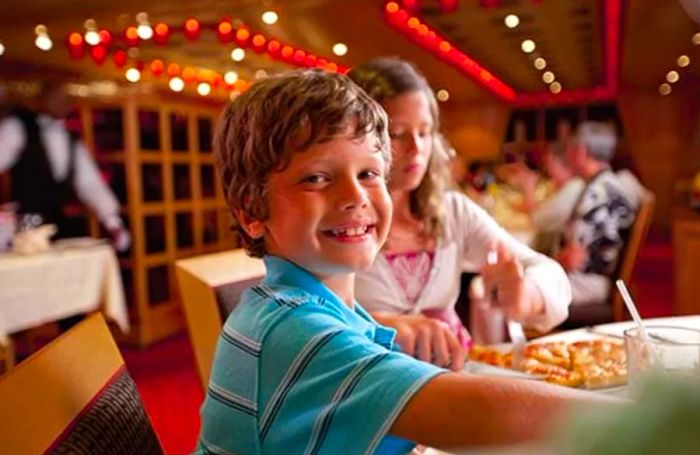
(243, 37)
(403, 18)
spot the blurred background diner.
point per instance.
(574, 124)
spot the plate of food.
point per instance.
(589, 364)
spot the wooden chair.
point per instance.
(614, 309)
(74, 396)
(210, 288)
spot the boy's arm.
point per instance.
(457, 410)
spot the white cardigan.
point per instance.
(469, 231)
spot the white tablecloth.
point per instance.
(49, 286)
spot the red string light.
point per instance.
(192, 29)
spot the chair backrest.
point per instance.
(74, 396)
(210, 287)
(634, 243)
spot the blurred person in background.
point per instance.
(601, 217)
(436, 234)
(47, 164)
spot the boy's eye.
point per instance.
(370, 174)
(314, 179)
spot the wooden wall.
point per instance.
(662, 134)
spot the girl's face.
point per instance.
(411, 130)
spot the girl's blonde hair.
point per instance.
(386, 78)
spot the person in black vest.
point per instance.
(48, 164)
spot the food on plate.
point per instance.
(591, 364)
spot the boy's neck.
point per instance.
(343, 286)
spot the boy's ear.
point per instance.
(253, 227)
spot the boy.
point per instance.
(300, 367)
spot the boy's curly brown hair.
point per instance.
(281, 115)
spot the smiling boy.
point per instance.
(300, 367)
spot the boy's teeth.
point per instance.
(351, 231)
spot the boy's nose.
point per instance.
(352, 195)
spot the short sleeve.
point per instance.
(325, 388)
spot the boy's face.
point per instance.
(329, 209)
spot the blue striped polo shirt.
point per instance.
(296, 371)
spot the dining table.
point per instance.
(75, 276)
(604, 331)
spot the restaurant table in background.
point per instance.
(76, 276)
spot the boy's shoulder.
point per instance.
(263, 306)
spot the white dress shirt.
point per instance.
(87, 181)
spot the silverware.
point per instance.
(515, 329)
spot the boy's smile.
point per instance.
(329, 208)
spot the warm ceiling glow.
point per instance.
(696, 39)
(511, 21)
(2, 49)
(527, 46)
(43, 42)
(133, 75)
(230, 77)
(259, 74)
(92, 38)
(540, 63)
(270, 17)
(340, 49)
(237, 54)
(555, 87)
(40, 29)
(664, 89)
(176, 84)
(548, 77)
(443, 95)
(144, 31)
(203, 88)
(683, 61)
(672, 76)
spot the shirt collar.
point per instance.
(283, 272)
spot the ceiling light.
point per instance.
(92, 38)
(204, 89)
(443, 95)
(340, 49)
(259, 74)
(683, 61)
(176, 84)
(696, 39)
(664, 89)
(672, 76)
(230, 77)
(511, 21)
(270, 17)
(40, 29)
(555, 87)
(527, 46)
(144, 31)
(237, 54)
(89, 24)
(43, 42)
(133, 75)
(548, 77)
(2, 49)
(540, 63)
